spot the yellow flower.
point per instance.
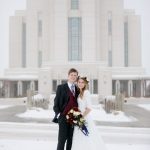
(80, 123)
(81, 119)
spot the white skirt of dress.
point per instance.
(91, 142)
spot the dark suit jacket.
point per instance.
(62, 97)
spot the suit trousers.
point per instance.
(65, 134)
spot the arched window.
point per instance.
(74, 40)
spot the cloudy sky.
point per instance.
(7, 8)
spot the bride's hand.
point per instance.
(87, 110)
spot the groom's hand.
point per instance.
(55, 120)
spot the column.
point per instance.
(91, 86)
(117, 86)
(104, 83)
(45, 82)
(90, 83)
(1, 88)
(58, 79)
(32, 85)
(143, 88)
(130, 88)
(20, 90)
(7, 89)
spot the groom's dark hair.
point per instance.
(72, 70)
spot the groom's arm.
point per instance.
(56, 104)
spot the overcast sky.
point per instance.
(8, 7)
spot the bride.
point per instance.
(93, 141)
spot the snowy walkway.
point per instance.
(29, 136)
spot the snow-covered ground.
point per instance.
(31, 136)
(37, 136)
(5, 106)
(117, 116)
(51, 145)
(97, 114)
(145, 106)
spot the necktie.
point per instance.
(73, 89)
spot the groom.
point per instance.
(66, 99)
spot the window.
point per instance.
(110, 39)
(74, 39)
(23, 44)
(109, 23)
(74, 4)
(40, 58)
(110, 58)
(39, 28)
(126, 44)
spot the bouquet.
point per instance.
(75, 118)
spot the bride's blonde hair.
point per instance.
(85, 87)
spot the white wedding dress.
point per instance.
(93, 141)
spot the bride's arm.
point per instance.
(86, 112)
(88, 103)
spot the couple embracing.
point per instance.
(73, 94)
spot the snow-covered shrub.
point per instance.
(37, 100)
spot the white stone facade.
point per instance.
(99, 38)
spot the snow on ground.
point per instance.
(48, 132)
(37, 113)
(33, 136)
(5, 106)
(27, 145)
(145, 106)
(97, 114)
(127, 147)
(43, 136)
(117, 116)
(51, 145)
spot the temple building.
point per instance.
(99, 38)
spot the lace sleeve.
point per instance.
(88, 99)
